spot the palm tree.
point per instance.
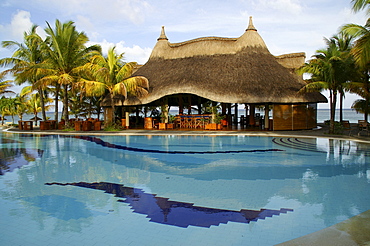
(3, 108)
(361, 53)
(66, 52)
(113, 75)
(11, 107)
(344, 43)
(27, 62)
(21, 106)
(361, 49)
(328, 69)
(358, 5)
(5, 85)
(34, 105)
(8, 106)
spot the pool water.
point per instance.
(176, 190)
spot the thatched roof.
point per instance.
(229, 70)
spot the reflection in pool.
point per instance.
(182, 214)
(320, 181)
(12, 157)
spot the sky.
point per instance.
(133, 26)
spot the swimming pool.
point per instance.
(176, 190)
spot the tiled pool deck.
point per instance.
(354, 231)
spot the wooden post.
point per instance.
(127, 116)
(236, 114)
(189, 106)
(251, 116)
(267, 117)
(181, 105)
(223, 108)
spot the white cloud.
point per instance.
(284, 6)
(131, 54)
(138, 54)
(20, 23)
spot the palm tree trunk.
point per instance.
(42, 104)
(90, 109)
(35, 114)
(65, 103)
(113, 108)
(367, 99)
(341, 96)
(56, 100)
(333, 102)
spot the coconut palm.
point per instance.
(362, 88)
(358, 5)
(33, 105)
(66, 52)
(113, 75)
(21, 106)
(11, 107)
(361, 49)
(328, 69)
(361, 53)
(4, 105)
(27, 62)
(5, 85)
(344, 43)
(3, 108)
(8, 106)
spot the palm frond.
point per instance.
(137, 86)
(120, 89)
(126, 70)
(314, 87)
(92, 88)
(65, 79)
(358, 5)
(361, 106)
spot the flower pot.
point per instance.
(211, 126)
(162, 126)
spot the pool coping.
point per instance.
(353, 231)
(315, 133)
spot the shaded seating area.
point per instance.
(363, 127)
(228, 73)
(48, 125)
(88, 125)
(25, 125)
(193, 121)
(78, 124)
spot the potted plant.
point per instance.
(164, 117)
(171, 120)
(216, 124)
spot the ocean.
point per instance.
(322, 115)
(348, 114)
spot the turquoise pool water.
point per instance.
(176, 190)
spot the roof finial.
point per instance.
(250, 26)
(163, 35)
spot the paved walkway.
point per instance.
(321, 131)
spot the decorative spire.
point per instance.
(163, 35)
(250, 26)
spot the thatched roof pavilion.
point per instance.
(229, 70)
(226, 70)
